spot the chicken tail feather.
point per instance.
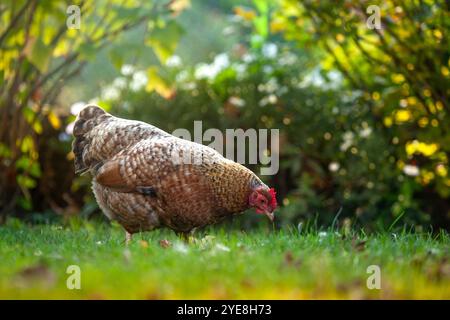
(87, 119)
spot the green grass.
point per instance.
(262, 264)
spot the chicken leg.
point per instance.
(128, 237)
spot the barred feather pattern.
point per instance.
(142, 180)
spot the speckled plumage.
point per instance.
(140, 180)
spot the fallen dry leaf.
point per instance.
(359, 245)
(144, 244)
(290, 261)
(39, 273)
(165, 243)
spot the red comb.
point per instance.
(273, 202)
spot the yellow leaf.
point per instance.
(423, 122)
(410, 148)
(277, 26)
(387, 121)
(247, 15)
(72, 33)
(27, 144)
(54, 120)
(164, 40)
(157, 83)
(398, 78)
(427, 176)
(37, 127)
(178, 6)
(416, 146)
(431, 107)
(62, 48)
(437, 33)
(143, 244)
(376, 95)
(340, 37)
(412, 101)
(402, 116)
(441, 170)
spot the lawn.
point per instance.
(259, 264)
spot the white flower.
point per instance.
(69, 128)
(287, 59)
(314, 78)
(110, 93)
(240, 70)
(269, 87)
(248, 58)
(238, 102)
(273, 99)
(228, 30)
(120, 82)
(221, 61)
(365, 132)
(270, 50)
(127, 69)
(210, 71)
(334, 75)
(345, 145)
(204, 71)
(348, 140)
(138, 81)
(173, 61)
(348, 136)
(411, 170)
(270, 99)
(334, 166)
(77, 107)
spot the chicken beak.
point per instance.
(269, 215)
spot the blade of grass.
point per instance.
(396, 220)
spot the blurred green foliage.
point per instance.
(44, 44)
(401, 71)
(363, 113)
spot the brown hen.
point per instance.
(145, 178)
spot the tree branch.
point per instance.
(14, 20)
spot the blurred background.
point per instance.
(363, 112)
